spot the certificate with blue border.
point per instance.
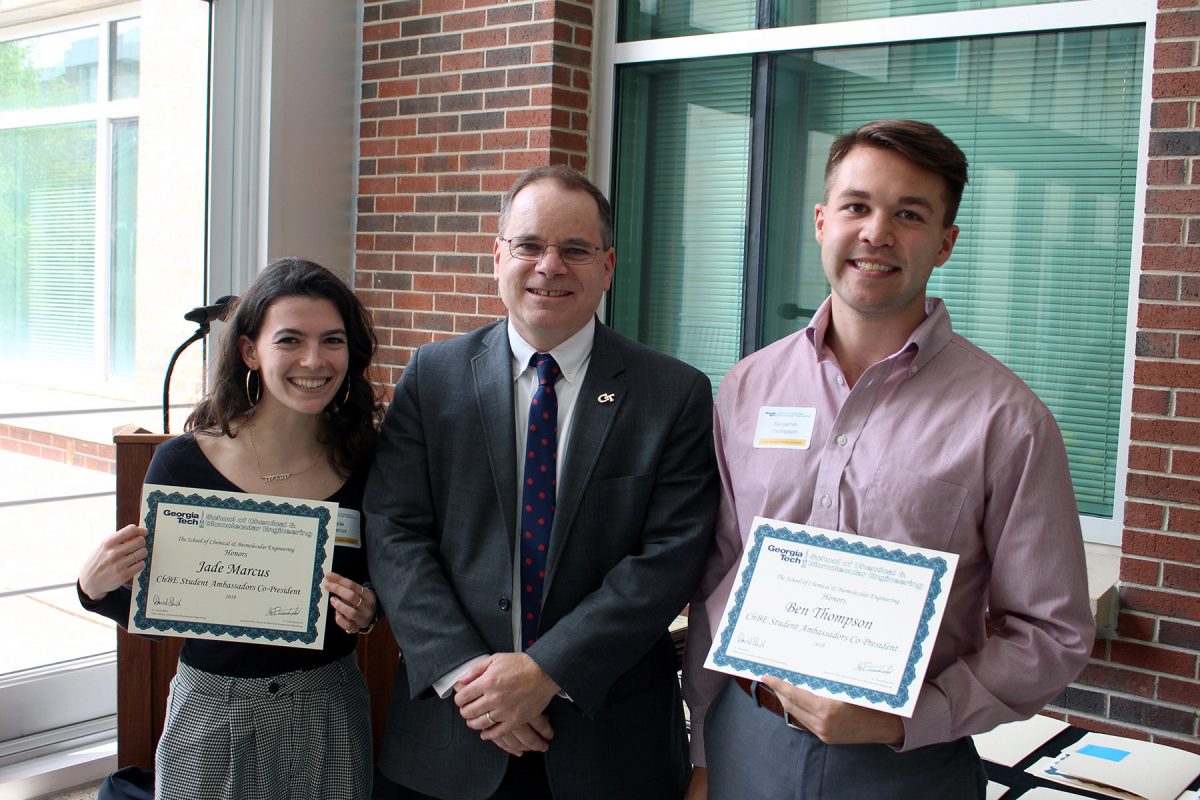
(843, 616)
(234, 567)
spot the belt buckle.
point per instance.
(787, 719)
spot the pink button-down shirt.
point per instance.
(940, 446)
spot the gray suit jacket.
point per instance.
(636, 503)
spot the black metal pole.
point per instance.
(200, 333)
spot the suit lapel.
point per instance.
(596, 407)
(492, 371)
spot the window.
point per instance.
(655, 19)
(718, 163)
(103, 124)
(688, 194)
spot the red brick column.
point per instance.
(1145, 681)
(458, 96)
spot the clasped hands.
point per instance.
(504, 696)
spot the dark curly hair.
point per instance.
(351, 419)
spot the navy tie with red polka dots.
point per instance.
(537, 495)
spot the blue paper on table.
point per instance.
(1107, 753)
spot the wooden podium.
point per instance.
(145, 667)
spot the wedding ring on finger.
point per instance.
(359, 603)
(491, 721)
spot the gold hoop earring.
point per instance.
(253, 401)
(346, 394)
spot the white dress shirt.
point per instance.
(572, 357)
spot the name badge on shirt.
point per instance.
(784, 427)
(349, 528)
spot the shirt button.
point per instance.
(826, 501)
(841, 381)
(273, 687)
(841, 440)
(505, 605)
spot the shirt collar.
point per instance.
(926, 341)
(931, 335)
(570, 356)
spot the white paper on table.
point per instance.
(1152, 771)
(1044, 768)
(1045, 793)
(1009, 743)
(995, 791)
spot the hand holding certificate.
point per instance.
(232, 566)
(843, 616)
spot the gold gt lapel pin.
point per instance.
(606, 397)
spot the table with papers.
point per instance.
(1017, 765)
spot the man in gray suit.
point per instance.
(538, 513)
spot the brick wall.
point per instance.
(56, 447)
(458, 96)
(1144, 682)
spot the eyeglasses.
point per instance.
(527, 248)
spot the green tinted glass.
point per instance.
(664, 19)
(58, 69)
(126, 59)
(809, 12)
(47, 244)
(682, 179)
(123, 243)
(1040, 274)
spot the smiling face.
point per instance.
(549, 301)
(882, 232)
(301, 351)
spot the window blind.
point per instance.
(681, 209)
(663, 19)
(1040, 275)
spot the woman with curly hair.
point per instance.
(291, 413)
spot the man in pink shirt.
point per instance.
(918, 437)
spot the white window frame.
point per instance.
(284, 137)
(70, 704)
(283, 172)
(283, 181)
(610, 54)
(102, 113)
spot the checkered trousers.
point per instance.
(295, 736)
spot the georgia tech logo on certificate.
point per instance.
(844, 616)
(234, 567)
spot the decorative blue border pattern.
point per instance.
(307, 636)
(937, 565)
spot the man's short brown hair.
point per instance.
(919, 142)
(568, 179)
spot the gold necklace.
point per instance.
(279, 476)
